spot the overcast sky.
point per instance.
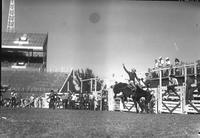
(102, 36)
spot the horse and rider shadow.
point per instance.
(135, 94)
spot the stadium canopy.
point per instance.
(24, 41)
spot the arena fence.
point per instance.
(164, 102)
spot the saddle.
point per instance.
(131, 87)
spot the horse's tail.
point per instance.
(148, 97)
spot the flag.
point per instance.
(71, 83)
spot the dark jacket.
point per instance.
(132, 75)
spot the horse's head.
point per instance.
(117, 88)
(122, 88)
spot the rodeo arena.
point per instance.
(169, 87)
(26, 83)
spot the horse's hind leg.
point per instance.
(115, 95)
(146, 107)
(141, 107)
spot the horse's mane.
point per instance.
(140, 89)
(143, 93)
(119, 86)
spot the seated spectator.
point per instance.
(178, 71)
(161, 62)
(167, 62)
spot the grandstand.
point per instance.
(24, 49)
(29, 82)
(23, 63)
(32, 81)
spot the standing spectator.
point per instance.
(41, 102)
(35, 102)
(91, 101)
(1, 96)
(65, 100)
(81, 100)
(177, 62)
(32, 100)
(161, 62)
(178, 71)
(73, 100)
(13, 98)
(52, 98)
(172, 83)
(156, 64)
(167, 62)
(26, 101)
(147, 80)
(189, 89)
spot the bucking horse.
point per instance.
(135, 95)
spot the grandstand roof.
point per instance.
(16, 40)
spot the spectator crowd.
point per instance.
(53, 100)
(160, 62)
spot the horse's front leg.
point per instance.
(135, 103)
(123, 103)
(115, 95)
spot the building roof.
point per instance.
(16, 40)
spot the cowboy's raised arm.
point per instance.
(125, 68)
(137, 77)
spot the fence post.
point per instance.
(184, 111)
(156, 101)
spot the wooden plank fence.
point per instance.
(174, 102)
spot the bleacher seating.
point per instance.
(32, 81)
(35, 39)
(34, 65)
(29, 66)
(6, 64)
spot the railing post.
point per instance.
(91, 84)
(81, 86)
(160, 92)
(195, 73)
(185, 73)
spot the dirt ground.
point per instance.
(46, 123)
